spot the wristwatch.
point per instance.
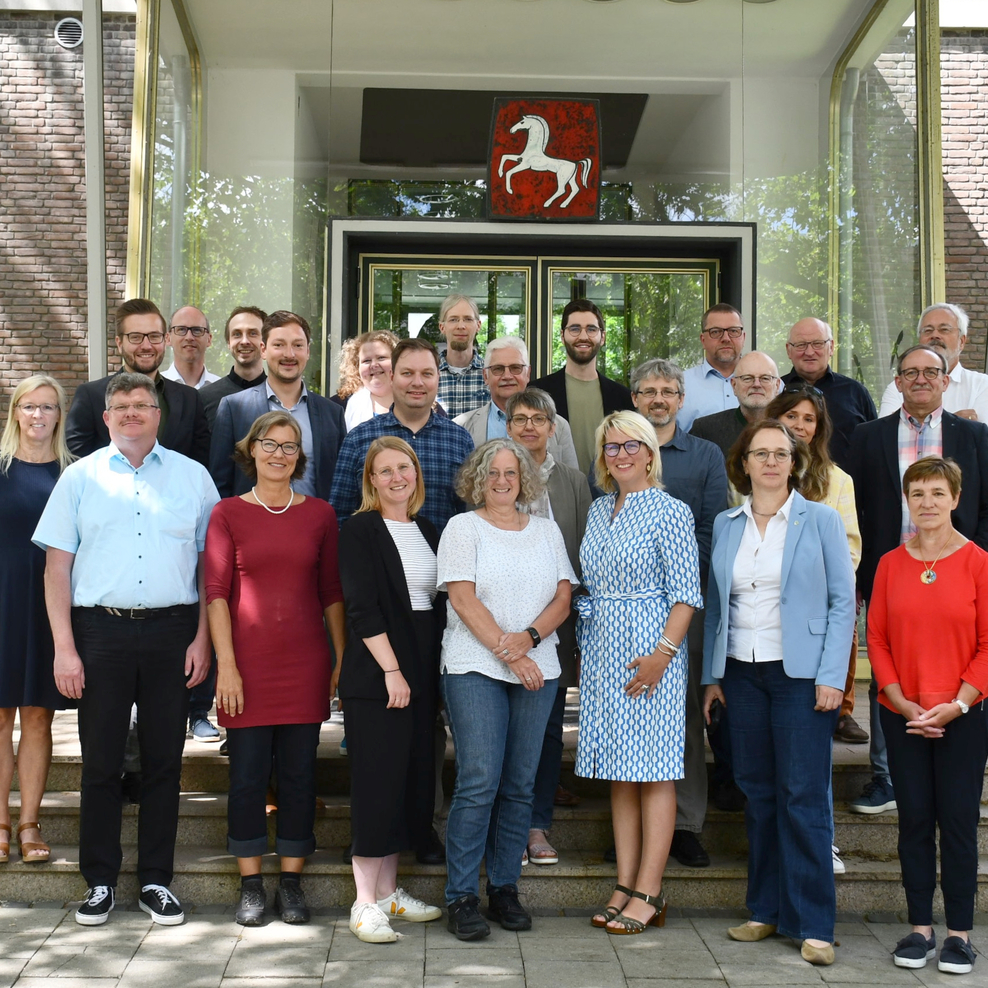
(536, 637)
(960, 703)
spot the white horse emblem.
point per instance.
(534, 158)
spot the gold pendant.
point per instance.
(928, 576)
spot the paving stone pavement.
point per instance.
(41, 946)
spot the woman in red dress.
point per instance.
(272, 587)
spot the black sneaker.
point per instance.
(956, 956)
(289, 904)
(503, 907)
(687, 850)
(465, 921)
(914, 951)
(95, 911)
(162, 905)
(250, 911)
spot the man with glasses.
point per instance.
(506, 373)
(140, 337)
(708, 384)
(879, 455)
(944, 327)
(755, 383)
(583, 396)
(810, 347)
(285, 347)
(692, 471)
(189, 338)
(462, 385)
(124, 531)
(243, 338)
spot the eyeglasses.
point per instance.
(387, 473)
(765, 380)
(498, 370)
(136, 339)
(591, 331)
(519, 421)
(649, 393)
(802, 389)
(269, 446)
(930, 373)
(31, 409)
(630, 446)
(762, 455)
(196, 331)
(735, 332)
(456, 320)
(818, 346)
(140, 406)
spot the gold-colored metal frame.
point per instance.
(931, 234)
(143, 137)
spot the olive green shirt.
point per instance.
(586, 410)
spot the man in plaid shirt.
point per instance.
(461, 367)
(439, 443)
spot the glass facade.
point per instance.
(714, 111)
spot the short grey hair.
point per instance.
(534, 398)
(920, 346)
(450, 300)
(505, 343)
(963, 319)
(471, 480)
(666, 369)
(126, 382)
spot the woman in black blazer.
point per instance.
(389, 683)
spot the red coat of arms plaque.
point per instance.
(544, 159)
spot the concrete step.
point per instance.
(581, 880)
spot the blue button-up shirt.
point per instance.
(441, 446)
(497, 423)
(136, 532)
(707, 391)
(307, 485)
(464, 391)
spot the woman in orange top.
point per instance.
(928, 646)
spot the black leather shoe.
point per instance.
(503, 907)
(728, 797)
(433, 852)
(687, 850)
(250, 911)
(289, 903)
(465, 921)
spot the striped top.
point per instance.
(418, 561)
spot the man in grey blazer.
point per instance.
(506, 373)
(285, 347)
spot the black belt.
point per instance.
(139, 613)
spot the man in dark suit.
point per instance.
(879, 454)
(285, 347)
(582, 395)
(140, 336)
(243, 337)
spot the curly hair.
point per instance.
(471, 480)
(262, 425)
(735, 458)
(350, 359)
(816, 479)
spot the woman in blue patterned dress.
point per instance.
(641, 571)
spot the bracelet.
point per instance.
(669, 643)
(387, 671)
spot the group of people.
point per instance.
(444, 534)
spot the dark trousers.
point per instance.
(938, 783)
(252, 749)
(128, 662)
(550, 764)
(201, 697)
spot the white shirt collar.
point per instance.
(746, 508)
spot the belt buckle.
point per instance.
(138, 614)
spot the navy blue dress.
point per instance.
(26, 649)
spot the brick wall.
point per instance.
(42, 193)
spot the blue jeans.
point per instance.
(782, 763)
(877, 749)
(497, 729)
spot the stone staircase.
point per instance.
(205, 873)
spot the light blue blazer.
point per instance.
(817, 600)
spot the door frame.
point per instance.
(348, 237)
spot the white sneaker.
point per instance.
(839, 868)
(369, 923)
(401, 905)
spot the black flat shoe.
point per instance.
(289, 904)
(503, 907)
(465, 921)
(250, 911)
(687, 850)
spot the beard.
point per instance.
(459, 345)
(578, 357)
(659, 419)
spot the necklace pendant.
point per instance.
(928, 576)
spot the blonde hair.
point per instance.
(370, 498)
(11, 439)
(634, 426)
(350, 381)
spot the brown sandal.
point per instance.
(609, 911)
(32, 852)
(5, 844)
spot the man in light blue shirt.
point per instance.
(124, 531)
(708, 384)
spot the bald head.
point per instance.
(810, 347)
(755, 383)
